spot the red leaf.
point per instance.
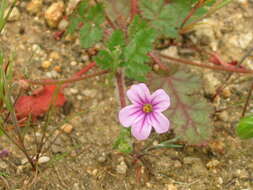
(39, 103)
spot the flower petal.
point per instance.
(130, 114)
(139, 94)
(159, 122)
(160, 100)
(141, 129)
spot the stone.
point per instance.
(210, 84)
(212, 164)
(224, 116)
(102, 158)
(15, 14)
(191, 160)
(46, 64)
(34, 6)
(171, 187)
(67, 128)
(90, 93)
(54, 14)
(54, 55)
(57, 68)
(121, 168)
(63, 24)
(3, 165)
(43, 159)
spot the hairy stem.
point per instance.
(121, 88)
(134, 8)
(214, 67)
(247, 100)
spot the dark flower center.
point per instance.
(147, 108)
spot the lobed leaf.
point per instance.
(189, 113)
(167, 18)
(90, 35)
(135, 53)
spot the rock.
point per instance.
(52, 74)
(15, 14)
(177, 164)
(212, 164)
(242, 174)
(191, 160)
(58, 69)
(171, 187)
(46, 64)
(210, 84)
(121, 168)
(224, 116)
(67, 128)
(73, 90)
(102, 158)
(54, 55)
(90, 93)
(207, 32)
(73, 63)
(63, 24)
(54, 14)
(34, 6)
(71, 6)
(3, 165)
(43, 159)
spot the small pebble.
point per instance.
(46, 64)
(54, 55)
(43, 159)
(34, 6)
(121, 168)
(73, 90)
(63, 24)
(58, 69)
(212, 164)
(67, 128)
(54, 14)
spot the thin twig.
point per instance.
(247, 100)
(213, 67)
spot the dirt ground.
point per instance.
(85, 160)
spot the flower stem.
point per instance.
(134, 8)
(121, 88)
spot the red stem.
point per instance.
(74, 79)
(221, 68)
(134, 8)
(121, 88)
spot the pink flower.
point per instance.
(145, 112)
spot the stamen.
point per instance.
(147, 108)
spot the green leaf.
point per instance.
(135, 53)
(95, 14)
(168, 18)
(189, 113)
(245, 128)
(104, 59)
(124, 141)
(117, 40)
(74, 23)
(89, 35)
(82, 8)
